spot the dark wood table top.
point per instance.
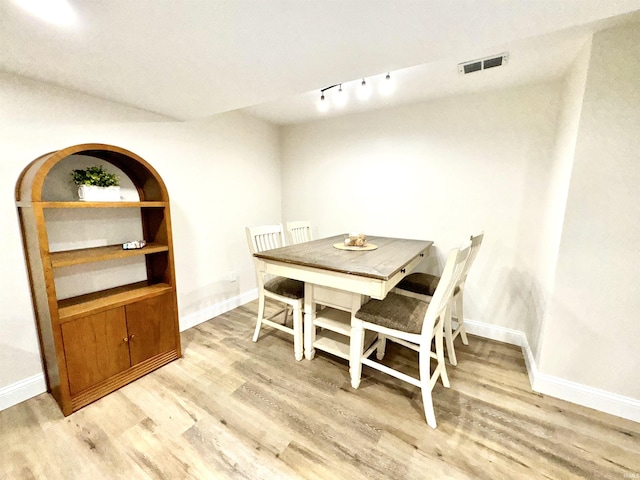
(389, 258)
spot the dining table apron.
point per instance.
(343, 280)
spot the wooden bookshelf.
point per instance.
(94, 343)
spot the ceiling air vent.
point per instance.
(483, 63)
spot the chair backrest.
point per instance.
(261, 238)
(265, 237)
(476, 241)
(453, 269)
(299, 232)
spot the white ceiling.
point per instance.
(193, 59)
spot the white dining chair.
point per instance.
(299, 232)
(423, 286)
(284, 290)
(412, 323)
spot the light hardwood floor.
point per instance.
(232, 408)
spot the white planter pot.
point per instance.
(91, 193)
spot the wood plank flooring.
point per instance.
(231, 408)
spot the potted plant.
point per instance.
(95, 184)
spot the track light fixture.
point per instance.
(339, 97)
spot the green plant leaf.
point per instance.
(95, 175)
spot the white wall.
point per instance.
(553, 196)
(442, 171)
(592, 329)
(222, 174)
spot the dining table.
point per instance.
(338, 280)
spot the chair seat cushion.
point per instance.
(421, 283)
(285, 287)
(396, 311)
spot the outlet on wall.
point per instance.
(232, 276)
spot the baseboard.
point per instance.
(23, 390)
(219, 308)
(504, 335)
(618, 405)
(495, 332)
(612, 403)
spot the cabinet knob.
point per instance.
(125, 339)
(131, 336)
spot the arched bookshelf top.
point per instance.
(146, 180)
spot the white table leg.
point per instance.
(356, 346)
(356, 342)
(298, 341)
(309, 318)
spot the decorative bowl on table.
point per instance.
(355, 240)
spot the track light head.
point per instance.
(323, 105)
(364, 91)
(340, 97)
(387, 86)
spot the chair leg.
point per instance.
(425, 385)
(355, 352)
(382, 345)
(261, 302)
(297, 333)
(288, 310)
(441, 369)
(460, 318)
(448, 334)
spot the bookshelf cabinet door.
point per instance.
(151, 327)
(96, 348)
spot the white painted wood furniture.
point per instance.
(412, 323)
(342, 281)
(282, 289)
(299, 232)
(423, 286)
